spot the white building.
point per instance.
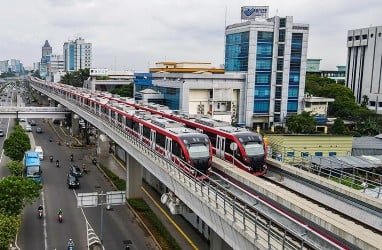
(77, 55)
(364, 65)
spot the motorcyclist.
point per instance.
(71, 157)
(60, 212)
(57, 163)
(51, 158)
(70, 244)
(50, 139)
(40, 208)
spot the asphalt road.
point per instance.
(119, 224)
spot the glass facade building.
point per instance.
(273, 54)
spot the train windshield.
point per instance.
(198, 150)
(253, 148)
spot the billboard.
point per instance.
(253, 12)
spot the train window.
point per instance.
(135, 126)
(176, 150)
(160, 140)
(119, 117)
(146, 132)
(253, 148)
(198, 150)
(129, 122)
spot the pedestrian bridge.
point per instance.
(33, 112)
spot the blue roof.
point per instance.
(32, 159)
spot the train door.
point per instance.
(220, 146)
(140, 131)
(153, 136)
(168, 147)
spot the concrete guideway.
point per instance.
(33, 112)
(344, 229)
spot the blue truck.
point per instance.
(32, 166)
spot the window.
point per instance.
(278, 92)
(264, 50)
(280, 50)
(264, 64)
(263, 78)
(277, 106)
(357, 37)
(281, 35)
(280, 64)
(364, 36)
(293, 92)
(279, 78)
(379, 34)
(264, 36)
(261, 106)
(236, 52)
(282, 22)
(292, 106)
(262, 92)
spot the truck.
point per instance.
(32, 166)
(38, 149)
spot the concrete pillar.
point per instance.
(52, 103)
(217, 243)
(133, 177)
(103, 145)
(75, 125)
(44, 101)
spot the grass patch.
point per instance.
(118, 182)
(155, 226)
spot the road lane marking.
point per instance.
(44, 221)
(170, 219)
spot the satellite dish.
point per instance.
(233, 146)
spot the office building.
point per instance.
(4, 66)
(46, 49)
(77, 55)
(273, 52)
(364, 66)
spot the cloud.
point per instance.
(136, 34)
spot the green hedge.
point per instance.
(118, 182)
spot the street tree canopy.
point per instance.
(16, 167)
(17, 144)
(9, 226)
(303, 123)
(16, 192)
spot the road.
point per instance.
(119, 224)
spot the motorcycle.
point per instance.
(57, 164)
(51, 158)
(40, 213)
(71, 157)
(94, 161)
(50, 139)
(59, 217)
(84, 170)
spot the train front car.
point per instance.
(199, 150)
(254, 155)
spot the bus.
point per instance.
(32, 166)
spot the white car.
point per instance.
(28, 128)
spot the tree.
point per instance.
(338, 127)
(16, 192)
(365, 101)
(124, 90)
(303, 123)
(17, 144)
(9, 226)
(16, 167)
(76, 78)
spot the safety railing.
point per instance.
(252, 222)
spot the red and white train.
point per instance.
(188, 148)
(245, 148)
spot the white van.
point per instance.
(38, 149)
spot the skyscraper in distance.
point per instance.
(77, 55)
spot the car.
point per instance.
(32, 123)
(75, 170)
(28, 128)
(22, 119)
(72, 181)
(1, 133)
(38, 130)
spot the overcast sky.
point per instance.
(134, 35)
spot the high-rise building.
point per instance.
(273, 53)
(46, 49)
(77, 55)
(4, 66)
(364, 66)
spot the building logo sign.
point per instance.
(98, 72)
(253, 12)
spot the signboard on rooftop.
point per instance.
(98, 72)
(253, 12)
